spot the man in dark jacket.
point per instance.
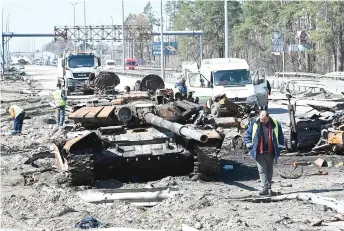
(264, 138)
(181, 87)
(137, 85)
(269, 93)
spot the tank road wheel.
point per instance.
(195, 175)
(238, 143)
(288, 140)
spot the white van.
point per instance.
(109, 65)
(231, 77)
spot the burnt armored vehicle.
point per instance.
(138, 139)
(137, 143)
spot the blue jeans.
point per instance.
(18, 123)
(61, 112)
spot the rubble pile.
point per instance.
(14, 74)
(321, 129)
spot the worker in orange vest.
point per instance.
(18, 114)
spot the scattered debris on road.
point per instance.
(36, 193)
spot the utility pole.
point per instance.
(123, 42)
(226, 31)
(162, 43)
(2, 43)
(112, 56)
(85, 24)
(8, 44)
(74, 4)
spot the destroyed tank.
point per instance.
(137, 139)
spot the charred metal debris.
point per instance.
(322, 128)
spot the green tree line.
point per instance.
(251, 26)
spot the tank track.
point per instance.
(206, 162)
(80, 169)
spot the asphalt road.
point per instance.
(47, 75)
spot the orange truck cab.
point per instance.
(130, 64)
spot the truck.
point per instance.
(109, 65)
(74, 69)
(130, 64)
(230, 76)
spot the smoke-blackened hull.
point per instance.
(86, 159)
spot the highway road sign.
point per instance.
(170, 48)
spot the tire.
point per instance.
(288, 140)
(69, 91)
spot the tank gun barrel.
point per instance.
(177, 128)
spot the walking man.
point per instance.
(264, 138)
(268, 93)
(60, 103)
(18, 114)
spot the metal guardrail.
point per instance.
(332, 75)
(303, 84)
(169, 77)
(153, 68)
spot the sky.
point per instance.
(40, 16)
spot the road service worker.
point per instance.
(60, 103)
(126, 90)
(137, 85)
(91, 78)
(180, 89)
(264, 138)
(18, 114)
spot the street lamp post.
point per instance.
(123, 42)
(162, 43)
(85, 23)
(74, 4)
(112, 41)
(8, 44)
(101, 46)
(226, 30)
(2, 43)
